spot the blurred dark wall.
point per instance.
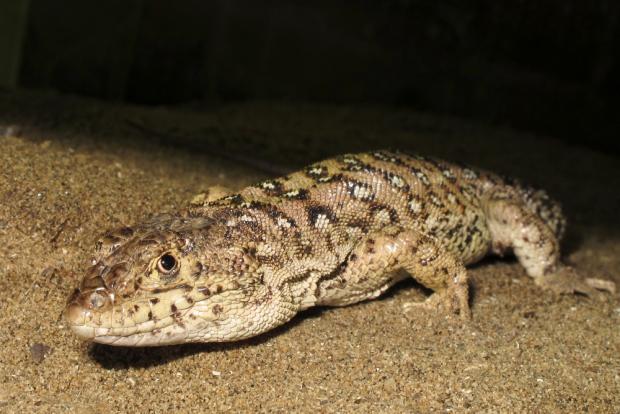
(550, 67)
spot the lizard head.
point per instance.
(171, 280)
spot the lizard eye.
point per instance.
(167, 263)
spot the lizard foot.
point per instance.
(567, 280)
(451, 301)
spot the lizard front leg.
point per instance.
(373, 264)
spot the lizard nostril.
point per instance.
(97, 300)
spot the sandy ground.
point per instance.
(71, 168)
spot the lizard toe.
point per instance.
(566, 280)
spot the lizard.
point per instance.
(232, 265)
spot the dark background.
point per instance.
(550, 67)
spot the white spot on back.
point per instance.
(415, 205)
(396, 181)
(361, 192)
(354, 232)
(431, 221)
(469, 174)
(282, 222)
(435, 200)
(448, 174)
(422, 177)
(321, 221)
(383, 216)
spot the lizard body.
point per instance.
(340, 231)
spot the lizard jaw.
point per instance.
(84, 324)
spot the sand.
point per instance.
(71, 168)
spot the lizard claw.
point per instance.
(567, 280)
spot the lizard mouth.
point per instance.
(116, 327)
(113, 325)
(93, 315)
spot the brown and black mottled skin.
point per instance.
(335, 233)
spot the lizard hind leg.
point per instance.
(535, 244)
